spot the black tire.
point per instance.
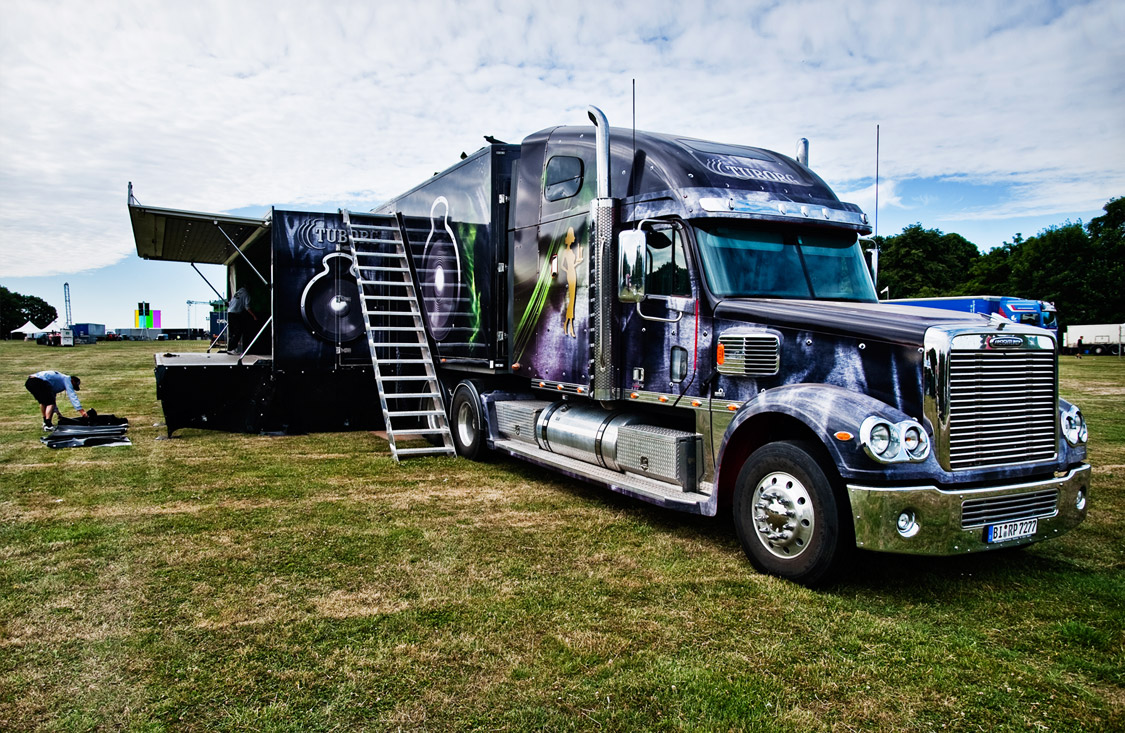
(465, 422)
(787, 516)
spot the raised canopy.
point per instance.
(190, 236)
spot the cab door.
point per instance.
(662, 332)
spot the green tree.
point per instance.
(924, 263)
(1107, 278)
(17, 309)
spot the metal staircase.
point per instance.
(409, 391)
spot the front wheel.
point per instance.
(787, 516)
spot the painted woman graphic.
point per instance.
(568, 262)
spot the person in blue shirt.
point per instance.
(43, 386)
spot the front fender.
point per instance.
(825, 411)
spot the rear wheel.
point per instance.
(466, 423)
(786, 514)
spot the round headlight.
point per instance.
(1074, 426)
(916, 443)
(881, 438)
(911, 439)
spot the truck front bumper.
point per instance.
(925, 520)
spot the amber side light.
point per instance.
(721, 355)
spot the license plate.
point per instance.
(1011, 530)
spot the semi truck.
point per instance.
(1097, 339)
(1019, 310)
(685, 322)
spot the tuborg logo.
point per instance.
(748, 170)
(315, 234)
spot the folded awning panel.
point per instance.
(190, 236)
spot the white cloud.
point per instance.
(217, 106)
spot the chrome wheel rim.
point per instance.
(784, 520)
(466, 427)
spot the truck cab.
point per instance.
(693, 324)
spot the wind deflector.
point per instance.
(190, 236)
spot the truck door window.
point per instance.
(667, 265)
(563, 177)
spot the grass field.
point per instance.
(236, 582)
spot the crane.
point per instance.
(190, 303)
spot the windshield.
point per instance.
(748, 260)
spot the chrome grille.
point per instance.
(1002, 407)
(750, 355)
(996, 509)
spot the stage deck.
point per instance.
(215, 358)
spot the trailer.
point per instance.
(1095, 339)
(686, 322)
(1018, 310)
(88, 333)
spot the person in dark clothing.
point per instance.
(239, 319)
(43, 386)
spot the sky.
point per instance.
(994, 117)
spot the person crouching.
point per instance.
(43, 386)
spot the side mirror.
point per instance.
(631, 252)
(871, 256)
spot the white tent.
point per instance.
(50, 327)
(27, 329)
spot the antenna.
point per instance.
(633, 161)
(876, 180)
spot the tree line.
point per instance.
(1080, 268)
(17, 309)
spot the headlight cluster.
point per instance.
(1073, 425)
(889, 442)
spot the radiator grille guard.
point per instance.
(992, 396)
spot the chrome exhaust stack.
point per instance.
(603, 365)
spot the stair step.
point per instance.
(432, 451)
(380, 268)
(395, 255)
(414, 413)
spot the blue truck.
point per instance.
(1018, 310)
